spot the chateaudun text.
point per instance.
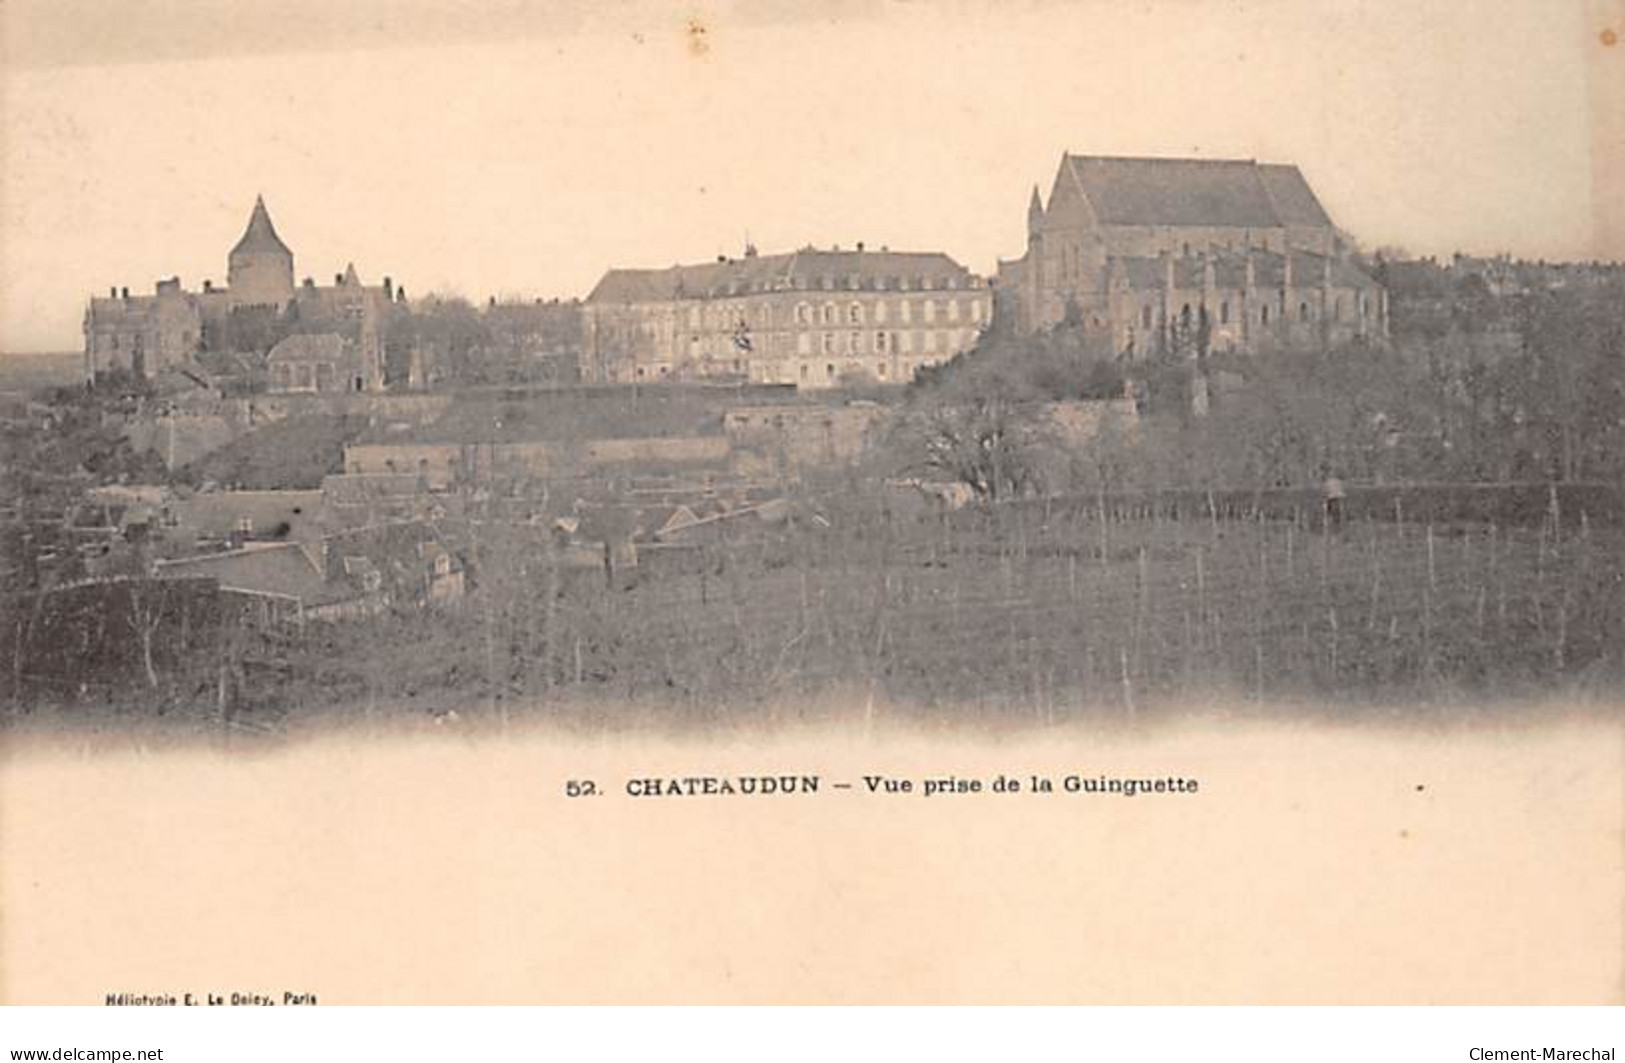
(805, 785)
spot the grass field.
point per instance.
(1001, 615)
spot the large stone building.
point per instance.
(1150, 255)
(810, 318)
(259, 307)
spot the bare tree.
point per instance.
(145, 616)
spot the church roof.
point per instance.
(1237, 193)
(260, 236)
(809, 270)
(1294, 200)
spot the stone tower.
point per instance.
(259, 271)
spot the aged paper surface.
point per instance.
(1408, 844)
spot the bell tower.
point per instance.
(259, 270)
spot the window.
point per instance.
(1185, 316)
(829, 342)
(1337, 309)
(953, 309)
(1264, 314)
(854, 342)
(930, 310)
(804, 371)
(880, 341)
(976, 310)
(1145, 316)
(829, 313)
(880, 370)
(905, 342)
(908, 311)
(854, 314)
(804, 343)
(1303, 311)
(829, 371)
(880, 312)
(1224, 312)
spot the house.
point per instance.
(404, 562)
(325, 362)
(245, 516)
(283, 580)
(812, 318)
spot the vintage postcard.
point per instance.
(846, 501)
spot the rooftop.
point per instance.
(260, 236)
(1239, 193)
(808, 269)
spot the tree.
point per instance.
(989, 444)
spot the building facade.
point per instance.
(258, 307)
(1153, 255)
(812, 318)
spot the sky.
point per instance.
(519, 150)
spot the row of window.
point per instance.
(856, 341)
(851, 282)
(854, 313)
(881, 342)
(1305, 312)
(803, 372)
(138, 340)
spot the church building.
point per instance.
(1158, 255)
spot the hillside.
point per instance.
(295, 453)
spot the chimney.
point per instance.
(860, 246)
(112, 293)
(310, 282)
(389, 288)
(338, 280)
(208, 285)
(124, 293)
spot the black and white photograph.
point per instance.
(856, 501)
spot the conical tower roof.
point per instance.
(260, 236)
